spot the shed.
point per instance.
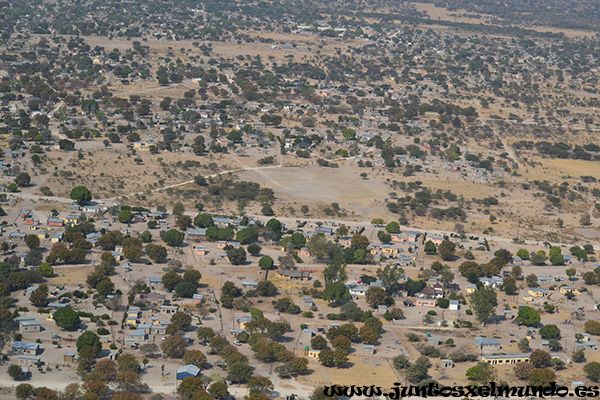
(197, 298)
(435, 341)
(187, 371)
(448, 363)
(486, 344)
(26, 348)
(169, 309)
(369, 349)
(307, 302)
(29, 326)
(154, 280)
(29, 360)
(576, 384)
(68, 357)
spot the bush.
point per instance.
(431, 351)
(15, 372)
(103, 331)
(412, 337)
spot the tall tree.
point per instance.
(81, 194)
(483, 302)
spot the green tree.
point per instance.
(550, 331)
(146, 237)
(170, 280)
(194, 357)
(39, 297)
(509, 285)
(192, 276)
(254, 249)
(132, 252)
(266, 289)
(237, 256)
(340, 357)
(539, 258)
(125, 216)
(528, 316)
(192, 388)
(32, 241)
(182, 320)
(318, 342)
(89, 338)
(318, 246)
(375, 296)
(178, 209)
(183, 222)
(23, 179)
(267, 210)
(203, 221)
(326, 357)
(336, 292)
(16, 373)
(127, 362)
(540, 358)
(523, 254)
(66, 318)
(259, 384)
(156, 252)
(218, 390)
(523, 370)
(524, 345)
(359, 242)
(247, 235)
(592, 327)
(239, 373)
(541, 377)
(174, 346)
(205, 333)
(81, 194)
(256, 313)
(392, 227)
(483, 303)
(447, 250)
(45, 269)
(173, 237)
(266, 262)
(556, 256)
(416, 373)
(185, 290)
(24, 391)
(483, 373)
(401, 362)
(319, 394)
(430, 247)
(531, 280)
(592, 371)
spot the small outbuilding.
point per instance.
(187, 371)
(369, 349)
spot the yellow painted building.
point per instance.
(506, 359)
(535, 292)
(569, 289)
(389, 250)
